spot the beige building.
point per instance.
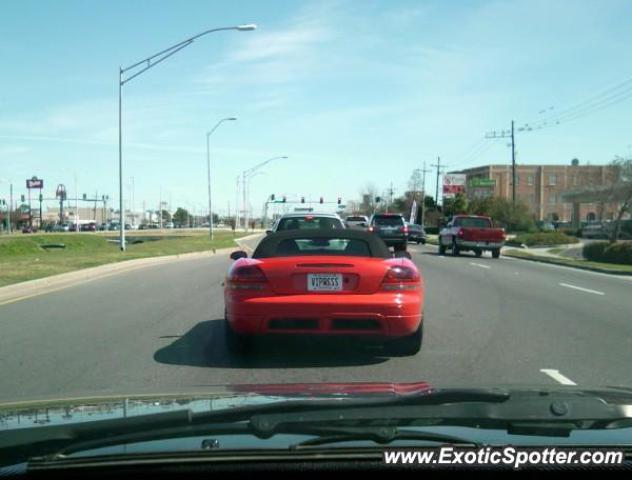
(540, 187)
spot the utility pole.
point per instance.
(390, 197)
(10, 205)
(439, 172)
(509, 134)
(243, 187)
(423, 193)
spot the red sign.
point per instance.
(35, 183)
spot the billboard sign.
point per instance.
(35, 183)
(453, 183)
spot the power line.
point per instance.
(606, 98)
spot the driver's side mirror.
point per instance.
(268, 232)
(238, 254)
(364, 224)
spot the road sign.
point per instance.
(481, 183)
(35, 183)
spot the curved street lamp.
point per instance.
(208, 164)
(134, 71)
(248, 173)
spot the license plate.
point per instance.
(324, 282)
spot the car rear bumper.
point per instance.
(378, 315)
(390, 241)
(480, 245)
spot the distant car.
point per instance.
(89, 227)
(391, 227)
(359, 222)
(169, 225)
(153, 226)
(416, 233)
(61, 227)
(49, 228)
(29, 229)
(307, 221)
(471, 232)
(319, 283)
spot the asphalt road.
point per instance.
(159, 330)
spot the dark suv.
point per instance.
(392, 228)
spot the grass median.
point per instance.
(569, 262)
(28, 257)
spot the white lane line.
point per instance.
(480, 265)
(581, 289)
(557, 376)
(625, 278)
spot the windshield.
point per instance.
(204, 199)
(316, 246)
(472, 222)
(388, 221)
(308, 223)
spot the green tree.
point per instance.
(429, 202)
(182, 216)
(455, 205)
(166, 216)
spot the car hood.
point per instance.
(87, 409)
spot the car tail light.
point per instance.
(404, 229)
(401, 278)
(247, 277)
(371, 229)
(460, 233)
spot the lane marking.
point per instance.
(625, 278)
(581, 289)
(557, 376)
(480, 265)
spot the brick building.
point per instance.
(540, 187)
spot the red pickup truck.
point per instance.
(471, 232)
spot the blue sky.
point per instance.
(354, 92)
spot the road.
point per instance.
(159, 330)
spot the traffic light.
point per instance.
(85, 196)
(302, 199)
(284, 199)
(272, 197)
(41, 197)
(378, 199)
(321, 199)
(22, 199)
(339, 200)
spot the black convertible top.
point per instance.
(268, 246)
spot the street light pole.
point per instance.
(249, 172)
(141, 67)
(208, 164)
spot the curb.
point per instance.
(578, 267)
(31, 288)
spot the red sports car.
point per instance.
(325, 282)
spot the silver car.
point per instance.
(358, 222)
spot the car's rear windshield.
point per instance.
(356, 219)
(472, 222)
(322, 246)
(389, 221)
(308, 223)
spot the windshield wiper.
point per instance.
(382, 436)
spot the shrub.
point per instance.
(619, 253)
(595, 251)
(544, 238)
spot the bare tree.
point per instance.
(368, 193)
(620, 190)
